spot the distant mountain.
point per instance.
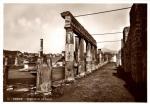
(108, 50)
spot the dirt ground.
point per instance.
(100, 86)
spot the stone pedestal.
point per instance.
(44, 77)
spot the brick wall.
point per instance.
(134, 52)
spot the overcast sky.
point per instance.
(25, 24)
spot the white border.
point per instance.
(76, 1)
(148, 51)
(66, 1)
(1, 51)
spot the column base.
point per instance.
(88, 67)
(82, 74)
(81, 67)
(69, 80)
(69, 72)
(44, 93)
(93, 66)
(88, 72)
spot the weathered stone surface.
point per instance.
(88, 67)
(125, 34)
(44, 76)
(93, 58)
(81, 68)
(100, 56)
(5, 61)
(76, 48)
(76, 55)
(88, 52)
(77, 66)
(81, 57)
(69, 72)
(69, 55)
(69, 37)
(96, 58)
(16, 61)
(79, 52)
(134, 52)
(41, 48)
(71, 22)
(88, 58)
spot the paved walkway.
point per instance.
(100, 86)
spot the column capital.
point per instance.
(68, 22)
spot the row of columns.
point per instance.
(76, 62)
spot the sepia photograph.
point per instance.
(75, 52)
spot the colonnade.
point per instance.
(77, 62)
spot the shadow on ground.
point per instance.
(139, 91)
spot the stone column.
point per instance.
(96, 58)
(69, 51)
(5, 76)
(107, 58)
(100, 55)
(16, 61)
(76, 55)
(5, 61)
(88, 57)
(81, 65)
(93, 57)
(44, 76)
(41, 47)
(38, 78)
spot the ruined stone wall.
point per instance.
(134, 52)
